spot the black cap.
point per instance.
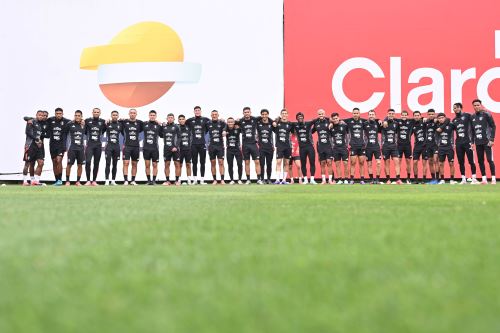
(441, 114)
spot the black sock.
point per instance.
(371, 176)
(221, 177)
(397, 177)
(133, 178)
(168, 179)
(78, 178)
(154, 178)
(148, 177)
(176, 178)
(125, 177)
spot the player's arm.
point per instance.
(491, 124)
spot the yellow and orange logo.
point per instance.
(140, 64)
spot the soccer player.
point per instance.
(184, 139)
(131, 129)
(266, 145)
(57, 143)
(198, 127)
(463, 146)
(295, 160)
(339, 134)
(282, 128)
(372, 130)
(321, 126)
(390, 131)
(216, 131)
(248, 126)
(483, 138)
(303, 131)
(150, 151)
(357, 144)
(34, 150)
(173, 140)
(445, 141)
(94, 129)
(75, 131)
(404, 142)
(233, 150)
(418, 132)
(112, 150)
(431, 151)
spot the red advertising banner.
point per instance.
(392, 54)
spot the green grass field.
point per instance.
(250, 259)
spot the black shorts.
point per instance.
(357, 151)
(418, 151)
(56, 151)
(131, 153)
(34, 153)
(112, 151)
(185, 156)
(446, 153)
(340, 154)
(372, 152)
(216, 152)
(430, 151)
(325, 154)
(404, 150)
(76, 155)
(283, 152)
(390, 151)
(294, 158)
(169, 155)
(250, 150)
(151, 155)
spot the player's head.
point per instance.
(114, 115)
(321, 114)
(230, 122)
(96, 112)
(390, 114)
(431, 114)
(417, 115)
(355, 113)
(335, 118)
(214, 115)
(457, 108)
(132, 113)
(264, 113)
(197, 111)
(181, 119)
(247, 112)
(404, 114)
(170, 118)
(441, 117)
(477, 104)
(58, 113)
(152, 115)
(45, 115)
(78, 116)
(284, 114)
(371, 115)
(39, 115)
(299, 117)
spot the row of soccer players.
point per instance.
(185, 142)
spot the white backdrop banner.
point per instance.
(222, 55)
